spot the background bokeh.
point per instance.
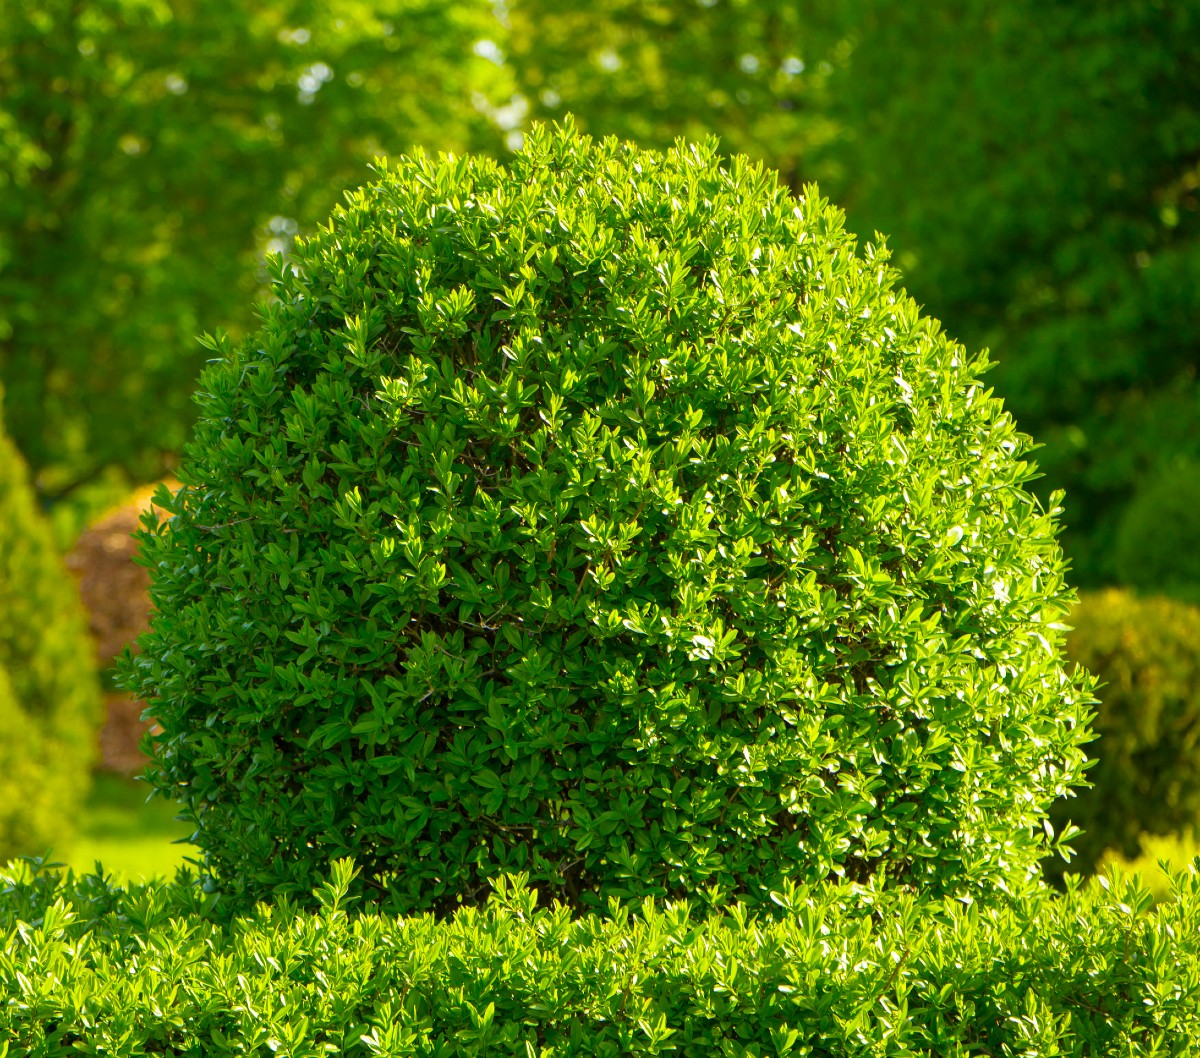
(1033, 166)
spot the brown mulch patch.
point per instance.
(116, 595)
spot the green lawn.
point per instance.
(132, 839)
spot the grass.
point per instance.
(130, 838)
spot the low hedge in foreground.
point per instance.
(845, 970)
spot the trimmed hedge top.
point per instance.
(609, 517)
(89, 968)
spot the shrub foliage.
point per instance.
(1146, 780)
(49, 693)
(610, 517)
(845, 974)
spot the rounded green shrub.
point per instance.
(49, 693)
(609, 517)
(1146, 778)
(1158, 540)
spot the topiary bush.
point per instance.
(49, 693)
(1146, 779)
(1158, 540)
(610, 517)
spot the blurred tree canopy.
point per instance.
(752, 71)
(148, 149)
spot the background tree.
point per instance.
(752, 72)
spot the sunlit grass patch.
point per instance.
(132, 839)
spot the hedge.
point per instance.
(95, 969)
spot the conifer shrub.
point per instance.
(608, 516)
(1145, 653)
(24, 823)
(49, 694)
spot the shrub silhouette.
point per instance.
(1158, 540)
(49, 693)
(609, 517)
(1146, 780)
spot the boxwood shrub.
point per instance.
(614, 517)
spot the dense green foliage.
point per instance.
(49, 694)
(607, 517)
(1146, 655)
(1161, 856)
(582, 524)
(1158, 540)
(148, 151)
(1038, 164)
(844, 973)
